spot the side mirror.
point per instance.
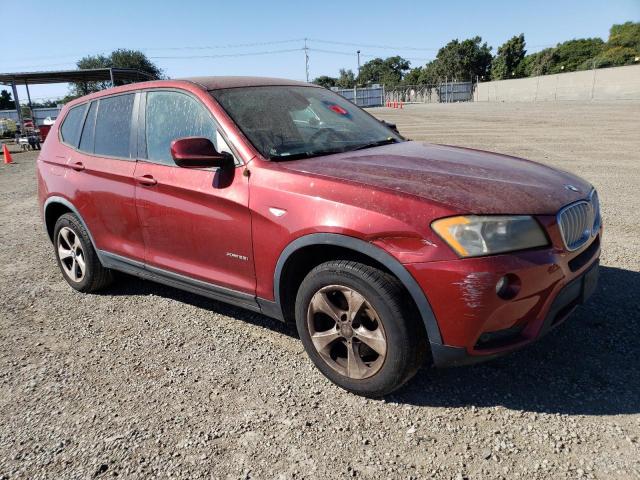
(198, 152)
(392, 126)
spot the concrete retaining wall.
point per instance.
(619, 83)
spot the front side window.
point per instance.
(70, 128)
(113, 126)
(288, 122)
(173, 115)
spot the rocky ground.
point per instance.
(146, 381)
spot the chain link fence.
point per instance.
(446, 92)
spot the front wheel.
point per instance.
(357, 326)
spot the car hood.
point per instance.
(461, 179)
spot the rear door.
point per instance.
(102, 168)
(192, 224)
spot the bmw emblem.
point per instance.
(572, 188)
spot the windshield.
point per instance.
(285, 122)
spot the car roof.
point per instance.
(206, 83)
(215, 83)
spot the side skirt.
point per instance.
(215, 292)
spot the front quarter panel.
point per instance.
(287, 205)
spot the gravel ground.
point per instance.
(146, 381)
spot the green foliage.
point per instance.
(124, 58)
(412, 77)
(508, 62)
(121, 58)
(45, 104)
(325, 81)
(346, 79)
(456, 61)
(571, 54)
(612, 57)
(388, 71)
(622, 48)
(6, 102)
(429, 74)
(626, 35)
(461, 61)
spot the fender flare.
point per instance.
(63, 201)
(376, 253)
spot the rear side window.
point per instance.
(70, 128)
(113, 126)
(172, 115)
(88, 131)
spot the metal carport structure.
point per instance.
(113, 75)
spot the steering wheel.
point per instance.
(329, 132)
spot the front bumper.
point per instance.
(476, 324)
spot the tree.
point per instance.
(412, 77)
(121, 58)
(346, 79)
(6, 103)
(539, 63)
(569, 55)
(508, 61)
(464, 60)
(45, 104)
(325, 81)
(626, 35)
(135, 59)
(622, 48)
(429, 74)
(388, 71)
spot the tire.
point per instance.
(73, 248)
(360, 312)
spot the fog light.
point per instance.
(508, 286)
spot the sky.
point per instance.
(266, 38)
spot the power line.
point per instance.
(230, 45)
(350, 54)
(222, 55)
(365, 45)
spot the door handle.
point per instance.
(77, 166)
(147, 180)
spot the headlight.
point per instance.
(474, 236)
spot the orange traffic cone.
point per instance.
(7, 155)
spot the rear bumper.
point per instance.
(477, 325)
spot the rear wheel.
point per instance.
(76, 256)
(357, 326)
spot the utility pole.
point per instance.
(358, 52)
(17, 102)
(306, 59)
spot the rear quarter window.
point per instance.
(70, 128)
(88, 131)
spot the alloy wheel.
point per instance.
(71, 254)
(346, 331)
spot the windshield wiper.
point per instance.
(320, 153)
(299, 155)
(378, 143)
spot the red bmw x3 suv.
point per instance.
(284, 198)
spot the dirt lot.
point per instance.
(147, 381)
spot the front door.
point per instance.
(190, 226)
